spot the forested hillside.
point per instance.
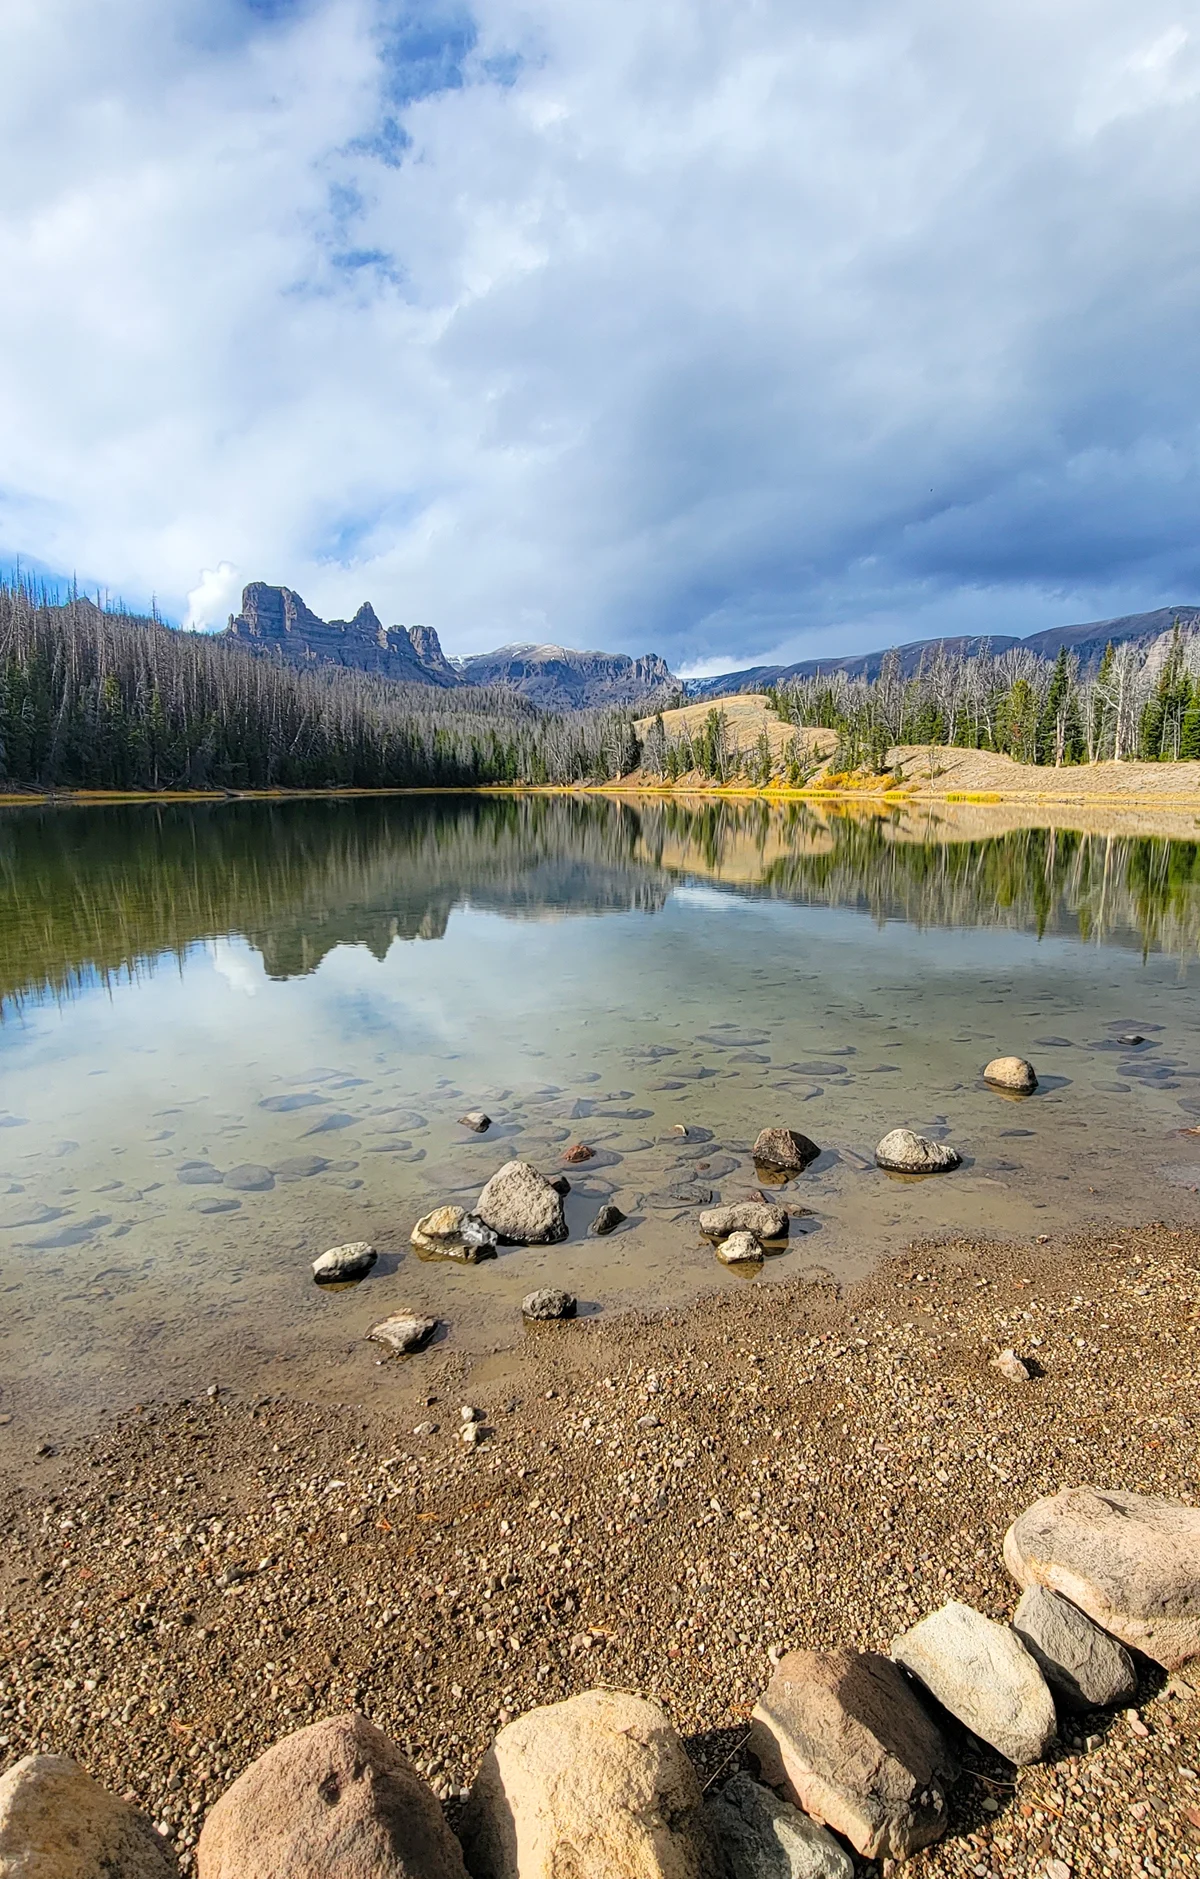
(1141, 701)
(96, 700)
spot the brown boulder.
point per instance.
(784, 1149)
(842, 1733)
(335, 1799)
(598, 1787)
(57, 1823)
(1130, 1561)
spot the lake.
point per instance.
(236, 1033)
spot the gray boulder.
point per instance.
(549, 1302)
(845, 1737)
(1088, 1669)
(520, 1205)
(338, 1797)
(745, 1216)
(57, 1823)
(476, 1119)
(784, 1149)
(763, 1837)
(903, 1152)
(597, 1787)
(1130, 1561)
(352, 1261)
(452, 1233)
(981, 1672)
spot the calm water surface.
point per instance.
(236, 1034)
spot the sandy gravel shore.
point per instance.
(657, 1505)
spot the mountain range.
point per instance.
(1087, 641)
(276, 622)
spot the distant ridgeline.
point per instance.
(276, 621)
(111, 701)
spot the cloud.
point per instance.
(738, 332)
(213, 599)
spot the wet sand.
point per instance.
(822, 1466)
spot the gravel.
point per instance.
(664, 1505)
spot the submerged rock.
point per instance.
(904, 1152)
(1011, 1073)
(597, 1787)
(57, 1823)
(1089, 1669)
(520, 1205)
(846, 1738)
(784, 1149)
(1130, 1561)
(739, 1249)
(452, 1233)
(338, 1797)
(352, 1261)
(404, 1331)
(580, 1152)
(559, 1183)
(982, 1673)
(745, 1216)
(549, 1302)
(763, 1837)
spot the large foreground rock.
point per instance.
(745, 1216)
(843, 1734)
(1089, 1669)
(784, 1149)
(598, 1787)
(1130, 1561)
(520, 1205)
(981, 1672)
(335, 1801)
(1011, 1073)
(57, 1823)
(763, 1837)
(903, 1152)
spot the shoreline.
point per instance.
(197, 1580)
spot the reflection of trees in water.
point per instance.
(90, 893)
(1114, 888)
(1141, 890)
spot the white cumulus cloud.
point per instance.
(731, 331)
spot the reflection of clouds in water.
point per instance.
(237, 966)
(707, 897)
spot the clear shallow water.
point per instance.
(237, 1034)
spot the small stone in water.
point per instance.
(352, 1261)
(477, 1120)
(607, 1220)
(579, 1152)
(405, 1331)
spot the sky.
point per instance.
(730, 332)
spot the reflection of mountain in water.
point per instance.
(1141, 891)
(94, 892)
